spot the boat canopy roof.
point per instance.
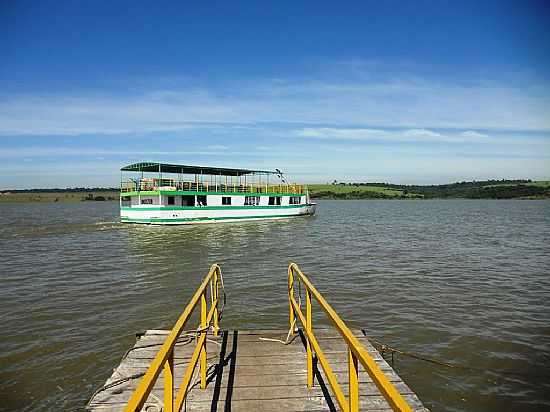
(186, 169)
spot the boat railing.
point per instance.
(164, 360)
(209, 320)
(356, 351)
(153, 184)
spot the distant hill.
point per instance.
(59, 195)
(66, 190)
(486, 189)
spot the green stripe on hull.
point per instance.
(202, 219)
(189, 192)
(168, 208)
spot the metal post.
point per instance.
(169, 383)
(291, 315)
(215, 297)
(203, 350)
(353, 382)
(308, 344)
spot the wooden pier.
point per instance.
(250, 370)
(208, 369)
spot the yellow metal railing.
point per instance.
(356, 352)
(164, 361)
(171, 184)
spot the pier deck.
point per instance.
(249, 370)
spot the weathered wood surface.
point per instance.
(248, 373)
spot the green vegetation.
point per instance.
(358, 191)
(58, 195)
(487, 189)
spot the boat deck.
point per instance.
(250, 370)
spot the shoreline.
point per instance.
(58, 196)
(488, 189)
(7, 199)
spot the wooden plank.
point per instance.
(250, 370)
(276, 391)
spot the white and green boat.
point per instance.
(167, 194)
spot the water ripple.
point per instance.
(462, 281)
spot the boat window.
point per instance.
(275, 200)
(188, 200)
(294, 200)
(251, 200)
(201, 201)
(146, 201)
(226, 200)
(171, 200)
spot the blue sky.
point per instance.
(407, 92)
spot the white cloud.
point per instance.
(38, 151)
(217, 147)
(421, 134)
(391, 135)
(419, 106)
(471, 134)
(343, 133)
(213, 152)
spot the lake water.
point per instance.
(461, 281)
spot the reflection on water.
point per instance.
(461, 281)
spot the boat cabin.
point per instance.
(147, 184)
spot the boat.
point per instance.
(169, 194)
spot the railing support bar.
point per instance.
(308, 344)
(329, 373)
(215, 301)
(203, 332)
(169, 382)
(164, 360)
(188, 375)
(358, 353)
(291, 316)
(353, 382)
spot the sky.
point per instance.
(411, 92)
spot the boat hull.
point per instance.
(198, 215)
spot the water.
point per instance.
(461, 281)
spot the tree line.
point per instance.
(484, 189)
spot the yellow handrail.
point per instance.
(356, 351)
(153, 184)
(165, 357)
